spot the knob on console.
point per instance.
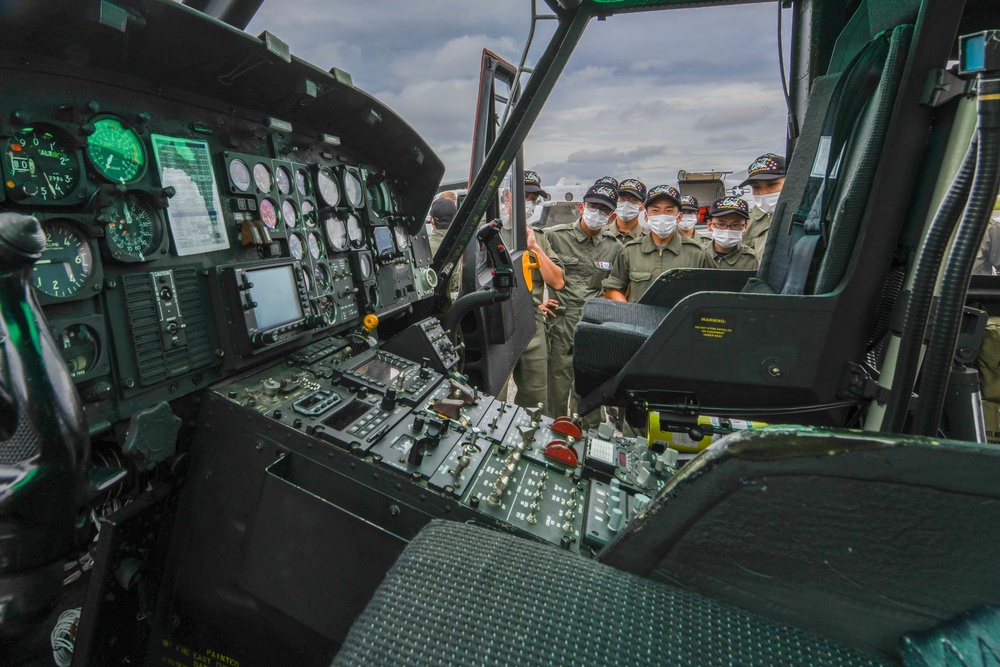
(264, 339)
(389, 399)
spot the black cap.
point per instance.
(602, 193)
(689, 203)
(608, 180)
(634, 187)
(663, 191)
(443, 211)
(729, 205)
(533, 184)
(767, 167)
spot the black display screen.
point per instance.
(383, 241)
(379, 369)
(342, 418)
(276, 295)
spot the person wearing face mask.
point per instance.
(586, 251)
(727, 220)
(631, 203)
(642, 261)
(689, 218)
(765, 176)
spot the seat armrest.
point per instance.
(676, 284)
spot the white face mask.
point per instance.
(594, 219)
(688, 221)
(766, 203)
(663, 225)
(727, 238)
(644, 220)
(627, 211)
(529, 209)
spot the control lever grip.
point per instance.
(44, 440)
(497, 255)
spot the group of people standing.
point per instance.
(625, 238)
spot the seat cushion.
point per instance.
(465, 595)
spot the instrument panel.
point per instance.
(159, 207)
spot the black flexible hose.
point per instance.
(955, 284)
(918, 304)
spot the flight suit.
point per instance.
(641, 262)
(531, 372)
(586, 261)
(741, 258)
(624, 237)
(755, 237)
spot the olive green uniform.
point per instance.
(586, 261)
(435, 238)
(755, 236)
(624, 237)
(531, 372)
(641, 262)
(740, 258)
(988, 256)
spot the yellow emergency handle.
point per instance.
(370, 322)
(528, 262)
(683, 442)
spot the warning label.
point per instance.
(712, 327)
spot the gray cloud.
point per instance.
(643, 95)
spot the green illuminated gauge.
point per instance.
(80, 347)
(40, 165)
(133, 231)
(352, 189)
(67, 261)
(115, 151)
(295, 246)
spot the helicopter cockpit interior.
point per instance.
(242, 422)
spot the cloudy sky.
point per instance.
(644, 95)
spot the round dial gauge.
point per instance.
(66, 263)
(283, 178)
(352, 190)
(289, 213)
(354, 231)
(402, 238)
(268, 213)
(295, 246)
(308, 214)
(315, 245)
(336, 233)
(366, 267)
(323, 278)
(116, 151)
(330, 311)
(41, 165)
(302, 183)
(239, 174)
(262, 177)
(80, 347)
(133, 230)
(326, 184)
(307, 281)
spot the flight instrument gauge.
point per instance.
(283, 179)
(115, 151)
(268, 213)
(67, 261)
(133, 230)
(289, 213)
(326, 184)
(352, 189)
(315, 245)
(336, 233)
(80, 347)
(40, 165)
(402, 239)
(302, 185)
(308, 214)
(323, 278)
(295, 248)
(366, 267)
(239, 174)
(354, 231)
(262, 177)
